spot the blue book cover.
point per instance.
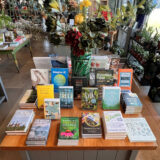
(111, 98)
(59, 77)
(66, 96)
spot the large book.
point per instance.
(138, 130)
(43, 92)
(66, 96)
(42, 62)
(59, 77)
(52, 108)
(91, 125)
(20, 122)
(111, 98)
(125, 79)
(114, 125)
(131, 104)
(89, 98)
(69, 131)
(39, 132)
(29, 99)
(39, 76)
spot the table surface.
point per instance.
(18, 142)
(28, 36)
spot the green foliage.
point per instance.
(5, 20)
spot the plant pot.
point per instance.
(158, 45)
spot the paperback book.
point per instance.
(91, 125)
(89, 98)
(39, 76)
(138, 130)
(38, 134)
(43, 92)
(111, 98)
(20, 122)
(66, 96)
(52, 108)
(69, 131)
(42, 62)
(59, 77)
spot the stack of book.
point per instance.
(69, 131)
(114, 126)
(91, 125)
(20, 122)
(138, 130)
(131, 103)
(38, 134)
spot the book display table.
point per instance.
(14, 50)
(95, 149)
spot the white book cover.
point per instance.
(114, 121)
(39, 76)
(138, 130)
(42, 62)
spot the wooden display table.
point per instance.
(14, 50)
(88, 149)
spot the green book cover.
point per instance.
(69, 128)
(111, 98)
(89, 98)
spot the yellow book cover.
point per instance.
(43, 92)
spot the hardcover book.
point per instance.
(66, 96)
(59, 77)
(39, 76)
(52, 108)
(20, 121)
(114, 65)
(111, 98)
(38, 134)
(138, 130)
(43, 92)
(104, 77)
(89, 98)
(91, 125)
(125, 79)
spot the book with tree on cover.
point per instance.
(39, 76)
(125, 79)
(52, 108)
(89, 98)
(43, 92)
(111, 98)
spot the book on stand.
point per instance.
(69, 131)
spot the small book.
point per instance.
(125, 79)
(66, 96)
(69, 131)
(3, 47)
(111, 98)
(59, 77)
(42, 62)
(89, 98)
(29, 99)
(20, 122)
(39, 76)
(38, 134)
(52, 108)
(43, 92)
(91, 125)
(138, 130)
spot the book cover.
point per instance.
(43, 92)
(111, 98)
(66, 96)
(125, 78)
(91, 123)
(114, 65)
(20, 120)
(69, 128)
(104, 77)
(42, 62)
(39, 76)
(89, 98)
(59, 77)
(138, 130)
(52, 108)
(39, 130)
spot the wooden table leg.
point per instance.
(16, 62)
(30, 48)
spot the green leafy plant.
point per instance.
(5, 20)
